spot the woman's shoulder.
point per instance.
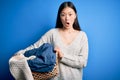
(52, 30)
(83, 33)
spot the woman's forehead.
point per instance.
(67, 9)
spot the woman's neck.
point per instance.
(69, 30)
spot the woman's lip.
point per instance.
(67, 23)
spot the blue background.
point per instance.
(23, 22)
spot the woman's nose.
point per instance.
(66, 17)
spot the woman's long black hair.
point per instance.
(59, 24)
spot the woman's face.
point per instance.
(67, 17)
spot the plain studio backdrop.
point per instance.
(23, 22)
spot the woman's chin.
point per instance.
(67, 26)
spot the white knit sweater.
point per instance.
(75, 54)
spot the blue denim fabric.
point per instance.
(45, 58)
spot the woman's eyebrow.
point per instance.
(67, 12)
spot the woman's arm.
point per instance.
(77, 61)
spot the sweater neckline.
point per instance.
(63, 43)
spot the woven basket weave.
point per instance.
(46, 75)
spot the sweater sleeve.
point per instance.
(46, 38)
(78, 61)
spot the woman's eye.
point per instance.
(70, 14)
(62, 14)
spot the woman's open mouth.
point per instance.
(67, 23)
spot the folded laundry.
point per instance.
(45, 58)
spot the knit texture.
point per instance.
(19, 68)
(75, 54)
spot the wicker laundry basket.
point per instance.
(46, 75)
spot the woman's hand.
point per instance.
(58, 52)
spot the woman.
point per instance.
(70, 43)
